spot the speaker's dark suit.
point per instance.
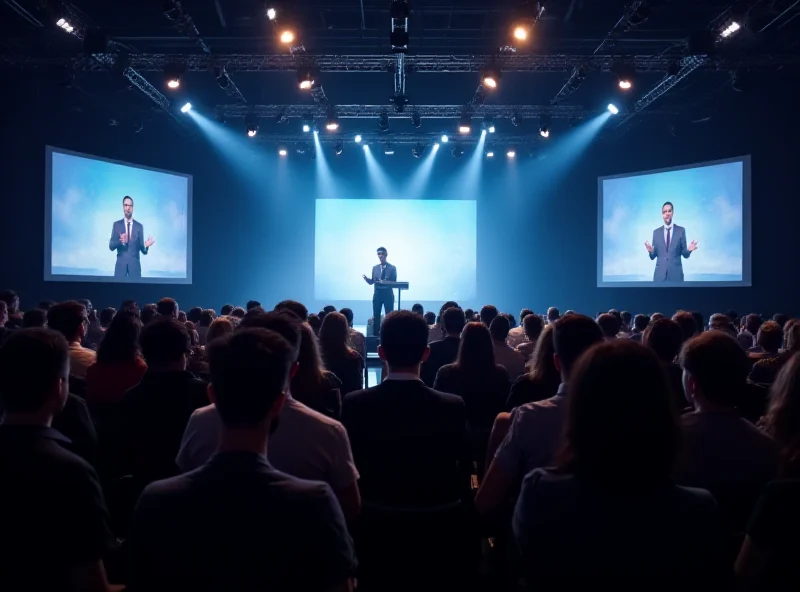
(383, 298)
(669, 266)
(128, 263)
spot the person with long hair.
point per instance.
(610, 510)
(341, 359)
(766, 370)
(312, 384)
(768, 558)
(542, 381)
(119, 364)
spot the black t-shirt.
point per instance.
(54, 516)
(236, 523)
(775, 527)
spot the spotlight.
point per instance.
(172, 75)
(418, 150)
(282, 152)
(457, 152)
(366, 147)
(287, 37)
(490, 153)
(445, 139)
(251, 125)
(64, 24)
(490, 77)
(383, 122)
(358, 138)
(544, 131)
(332, 124)
(730, 29)
(511, 153)
(388, 150)
(488, 125)
(173, 83)
(339, 148)
(436, 147)
(613, 108)
(271, 14)
(465, 127)
(416, 119)
(625, 84)
(186, 108)
(305, 79)
(625, 75)
(521, 33)
(306, 128)
(308, 125)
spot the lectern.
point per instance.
(400, 286)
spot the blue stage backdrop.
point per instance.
(711, 201)
(83, 200)
(432, 243)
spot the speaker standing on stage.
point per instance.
(669, 245)
(384, 295)
(127, 239)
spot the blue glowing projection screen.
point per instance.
(93, 232)
(688, 226)
(349, 231)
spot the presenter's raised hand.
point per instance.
(648, 246)
(123, 238)
(366, 279)
(149, 242)
(692, 246)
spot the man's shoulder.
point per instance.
(310, 417)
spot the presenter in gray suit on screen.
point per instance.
(127, 239)
(668, 246)
(384, 295)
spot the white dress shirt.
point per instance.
(667, 228)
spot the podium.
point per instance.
(400, 286)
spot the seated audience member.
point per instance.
(656, 316)
(542, 381)
(3, 320)
(55, 525)
(609, 324)
(664, 337)
(315, 323)
(720, 322)
(34, 318)
(469, 315)
(609, 510)
(686, 323)
(194, 338)
(516, 335)
(532, 327)
(251, 304)
(167, 307)
(765, 371)
(312, 384)
(194, 314)
(154, 413)
(768, 341)
(768, 558)
(119, 364)
(148, 313)
(698, 321)
(418, 309)
(747, 336)
(403, 433)
(479, 381)
(226, 310)
(488, 314)
(306, 444)
(722, 452)
(219, 328)
(296, 308)
(239, 313)
(444, 351)
(640, 323)
(357, 339)
(430, 318)
(11, 300)
(626, 318)
(781, 319)
(203, 324)
(337, 355)
(182, 317)
(328, 308)
(512, 361)
(71, 320)
(553, 315)
(436, 329)
(236, 523)
(535, 428)
(129, 306)
(46, 304)
(107, 315)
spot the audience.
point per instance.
(488, 314)
(227, 309)
(55, 529)
(747, 336)
(444, 351)
(553, 315)
(403, 433)
(532, 326)
(765, 371)
(341, 359)
(167, 307)
(430, 318)
(236, 523)
(768, 341)
(722, 452)
(119, 364)
(608, 510)
(436, 331)
(14, 316)
(4, 332)
(71, 320)
(664, 337)
(542, 381)
(203, 324)
(313, 385)
(535, 428)
(640, 323)
(418, 309)
(357, 339)
(686, 323)
(36, 317)
(296, 308)
(610, 325)
(512, 361)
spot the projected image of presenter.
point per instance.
(668, 246)
(127, 239)
(384, 294)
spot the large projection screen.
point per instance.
(112, 221)
(686, 226)
(437, 258)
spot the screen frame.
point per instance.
(48, 214)
(746, 280)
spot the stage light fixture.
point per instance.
(730, 29)
(172, 75)
(488, 124)
(305, 79)
(436, 146)
(383, 122)
(287, 36)
(282, 152)
(366, 147)
(388, 150)
(465, 125)
(613, 108)
(223, 80)
(251, 125)
(511, 153)
(418, 150)
(339, 148)
(416, 120)
(490, 77)
(64, 24)
(445, 139)
(521, 33)
(332, 125)
(516, 120)
(271, 13)
(186, 108)
(457, 152)
(544, 131)
(490, 153)
(358, 138)
(306, 128)
(625, 75)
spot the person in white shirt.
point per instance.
(71, 320)
(512, 361)
(516, 336)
